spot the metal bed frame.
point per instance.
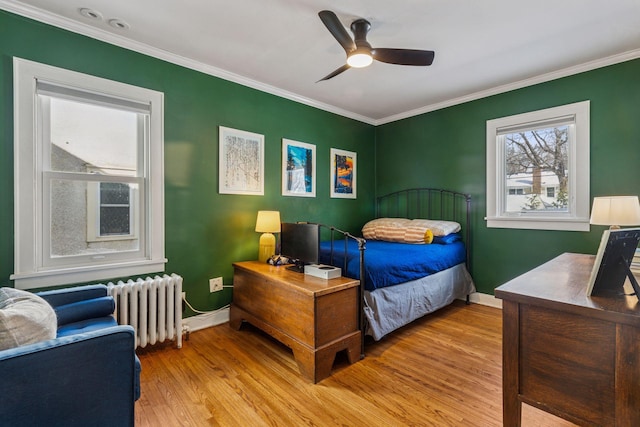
(431, 203)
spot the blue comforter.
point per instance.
(390, 263)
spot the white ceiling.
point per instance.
(282, 47)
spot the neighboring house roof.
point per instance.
(519, 180)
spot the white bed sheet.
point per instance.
(387, 309)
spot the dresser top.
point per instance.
(561, 283)
(303, 282)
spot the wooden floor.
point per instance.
(442, 370)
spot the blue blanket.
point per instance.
(389, 263)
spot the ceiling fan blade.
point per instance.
(337, 30)
(345, 67)
(404, 56)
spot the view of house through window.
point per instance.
(90, 142)
(536, 175)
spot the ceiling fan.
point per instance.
(359, 51)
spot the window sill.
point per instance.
(68, 276)
(555, 224)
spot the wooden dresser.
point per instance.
(315, 317)
(567, 353)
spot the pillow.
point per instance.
(414, 234)
(449, 238)
(439, 227)
(25, 318)
(390, 229)
(408, 230)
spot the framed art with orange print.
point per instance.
(343, 174)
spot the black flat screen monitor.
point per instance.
(611, 267)
(300, 242)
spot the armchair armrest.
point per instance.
(78, 380)
(87, 309)
(65, 296)
(79, 303)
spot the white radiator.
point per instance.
(153, 306)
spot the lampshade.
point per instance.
(615, 211)
(268, 222)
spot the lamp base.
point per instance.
(267, 247)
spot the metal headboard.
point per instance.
(429, 203)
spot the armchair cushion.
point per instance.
(25, 318)
(86, 325)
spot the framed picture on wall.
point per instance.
(298, 169)
(241, 162)
(343, 174)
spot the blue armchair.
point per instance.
(87, 376)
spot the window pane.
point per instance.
(114, 209)
(92, 138)
(536, 163)
(114, 221)
(113, 193)
(72, 215)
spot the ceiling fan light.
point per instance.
(359, 59)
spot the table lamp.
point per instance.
(268, 222)
(615, 211)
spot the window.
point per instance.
(115, 210)
(538, 169)
(111, 212)
(551, 192)
(89, 178)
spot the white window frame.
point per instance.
(577, 217)
(31, 269)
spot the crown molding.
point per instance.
(554, 75)
(114, 39)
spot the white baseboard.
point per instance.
(485, 299)
(201, 321)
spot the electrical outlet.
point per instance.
(215, 284)
(184, 296)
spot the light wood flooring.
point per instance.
(442, 370)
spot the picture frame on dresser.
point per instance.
(611, 267)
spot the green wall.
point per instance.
(447, 148)
(205, 231)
